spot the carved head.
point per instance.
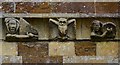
(62, 21)
(12, 25)
(96, 25)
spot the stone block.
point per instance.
(85, 48)
(9, 48)
(89, 59)
(11, 59)
(107, 49)
(61, 49)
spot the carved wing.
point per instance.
(54, 21)
(72, 20)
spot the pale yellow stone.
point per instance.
(107, 49)
(89, 59)
(9, 48)
(61, 49)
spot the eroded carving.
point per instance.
(101, 30)
(62, 24)
(12, 25)
(110, 28)
(13, 28)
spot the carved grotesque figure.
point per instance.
(62, 26)
(12, 25)
(101, 30)
(110, 28)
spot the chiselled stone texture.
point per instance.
(85, 49)
(37, 52)
(61, 49)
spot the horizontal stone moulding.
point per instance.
(54, 15)
(60, 29)
(60, 0)
(47, 40)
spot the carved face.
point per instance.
(62, 21)
(96, 25)
(12, 25)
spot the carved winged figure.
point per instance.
(62, 24)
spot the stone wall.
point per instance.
(81, 50)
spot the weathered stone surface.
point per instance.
(8, 7)
(9, 48)
(83, 25)
(61, 49)
(54, 30)
(38, 7)
(106, 7)
(11, 59)
(89, 59)
(107, 49)
(37, 52)
(61, 7)
(85, 48)
(73, 7)
(41, 25)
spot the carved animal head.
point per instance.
(62, 21)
